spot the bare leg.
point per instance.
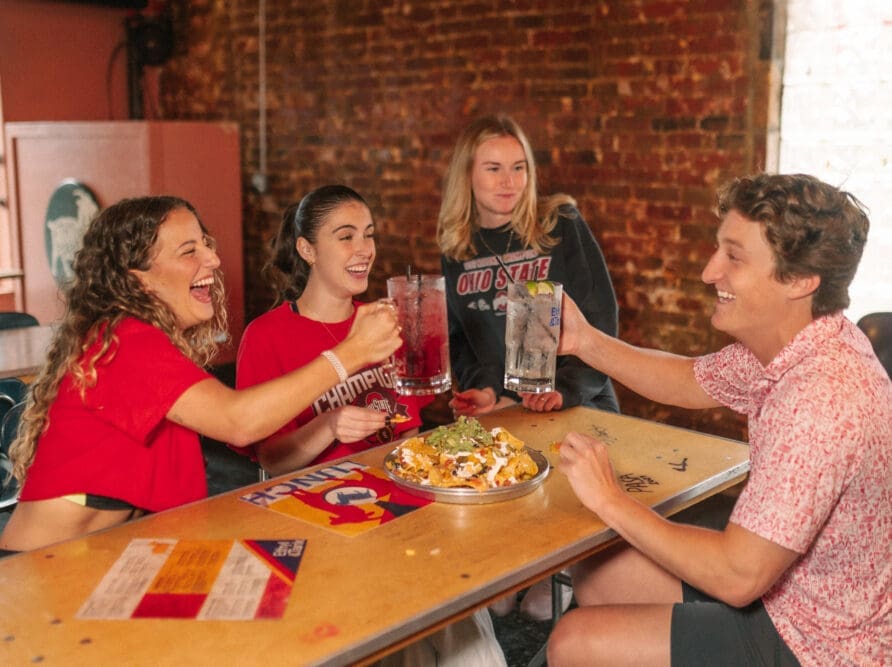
(625, 612)
(614, 635)
(622, 575)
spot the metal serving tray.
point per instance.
(468, 496)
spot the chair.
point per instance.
(878, 329)
(12, 391)
(9, 426)
(13, 319)
(12, 402)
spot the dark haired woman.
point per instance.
(321, 261)
(322, 256)
(111, 427)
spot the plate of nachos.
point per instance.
(465, 463)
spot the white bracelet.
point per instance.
(338, 366)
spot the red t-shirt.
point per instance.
(118, 442)
(282, 340)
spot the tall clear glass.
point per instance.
(421, 365)
(532, 332)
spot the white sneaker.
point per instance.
(505, 605)
(536, 604)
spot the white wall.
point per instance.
(836, 119)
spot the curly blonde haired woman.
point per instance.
(111, 428)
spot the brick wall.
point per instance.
(638, 109)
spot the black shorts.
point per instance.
(706, 631)
(107, 503)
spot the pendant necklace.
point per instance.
(498, 256)
(507, 245)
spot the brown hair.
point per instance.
(103, 292)
(812, 228)
(286, 270)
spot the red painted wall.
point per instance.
(58, 61)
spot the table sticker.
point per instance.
(348, 498)
(233, 580)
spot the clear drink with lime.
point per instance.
(532, 332)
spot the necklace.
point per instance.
(507, 245)
(328, 331)
(296, 309)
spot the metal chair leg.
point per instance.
(557, 603)
(557, 610)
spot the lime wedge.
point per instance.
(532, 287)
(545, 287)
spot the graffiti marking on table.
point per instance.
(602, 434)
(680, 466)
(637, 483)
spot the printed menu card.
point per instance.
(232, 580)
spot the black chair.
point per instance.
(12, 402)
(878, 328)
(13, 319)
(9, 426)
(12, 391)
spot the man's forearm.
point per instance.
(659, 376)
(734, 565)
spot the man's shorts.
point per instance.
(706, 631)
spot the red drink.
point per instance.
(421, 364)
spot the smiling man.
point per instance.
(802, 574)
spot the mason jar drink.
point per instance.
(421, 365)
(532, 331)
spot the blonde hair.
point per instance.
(533, 220)
(104, 292)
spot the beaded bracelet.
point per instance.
(336, 363)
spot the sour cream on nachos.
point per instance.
(464, 454)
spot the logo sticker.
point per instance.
(72, 206)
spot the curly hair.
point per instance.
(812, 228)
(533, 219)
(286, 270)
(103, 292)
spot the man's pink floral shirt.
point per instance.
(820, 429)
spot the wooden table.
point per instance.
(357, 598)
(23, 350)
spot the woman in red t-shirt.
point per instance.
(321, 260)
(112, 422)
